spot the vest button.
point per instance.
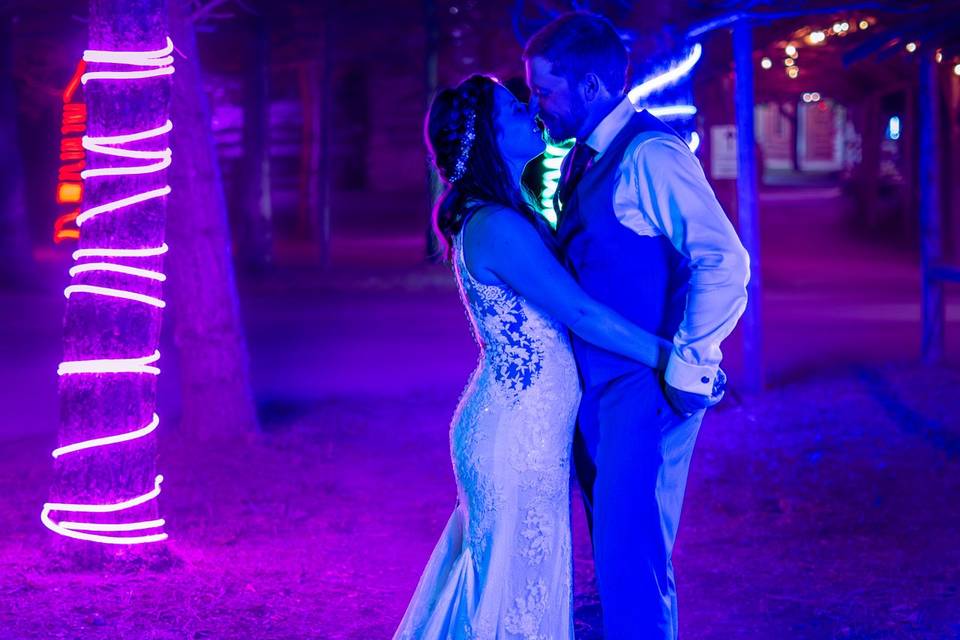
(704, 379)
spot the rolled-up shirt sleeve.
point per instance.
(673, 198)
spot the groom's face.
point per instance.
(559, 106)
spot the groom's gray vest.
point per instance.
(643, 278)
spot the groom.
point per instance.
(641, 230)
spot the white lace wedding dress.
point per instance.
(502, 568)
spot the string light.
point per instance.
(111, 365)
(101, 442)
(114, 293)
(72, 158)
(766, 63)
(553, 157)
(146, 64)
(123, 202)
(911, 47)
(671, 76)
(76, 529)
(673, 111)
(117, 268)
(956, 70)
(159, 58)
(147, 252)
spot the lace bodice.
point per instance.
(515, 338)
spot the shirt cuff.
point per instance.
(694, 378)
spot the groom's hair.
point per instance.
(578, 43)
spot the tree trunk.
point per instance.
(256, 249)
(103, 326)
(212, 353)
(16, 259)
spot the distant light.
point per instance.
(793, 72)
(788, 62)
(893, 128)
(806, 97)
(845, 26)
(864, 24)
(956, 70)
(837, 27)
(791, 51)
(454, 10)
(766, 63)
(674, 74)
(939, 56)
(673, 111)
(817, 37)
(911, 46)
(815, 97)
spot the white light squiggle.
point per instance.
(159, 58)
(673, 111)
(119, 204)
(672, 75)
(111, 365)
(127, 171)
(138, 58)
(110, 292)
(117, 268)
(76, 529)
(106, 252)
(106, 440)
(694, 142)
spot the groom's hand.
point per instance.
(687, 403)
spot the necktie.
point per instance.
(580, 157)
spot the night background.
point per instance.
(313, 349)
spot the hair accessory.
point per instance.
(466, 145)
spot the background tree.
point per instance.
(211, 346)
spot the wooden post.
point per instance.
(432, 60)
(16, 256)
(747, 203)
(931, 243)
(326, 130)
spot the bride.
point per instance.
(502, 567)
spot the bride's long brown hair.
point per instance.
(485, 177)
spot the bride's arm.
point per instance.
(500, 241)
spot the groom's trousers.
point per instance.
(632, 453)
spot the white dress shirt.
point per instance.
(662, 190)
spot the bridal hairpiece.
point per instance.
(466, 144)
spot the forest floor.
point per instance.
(824, 509)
